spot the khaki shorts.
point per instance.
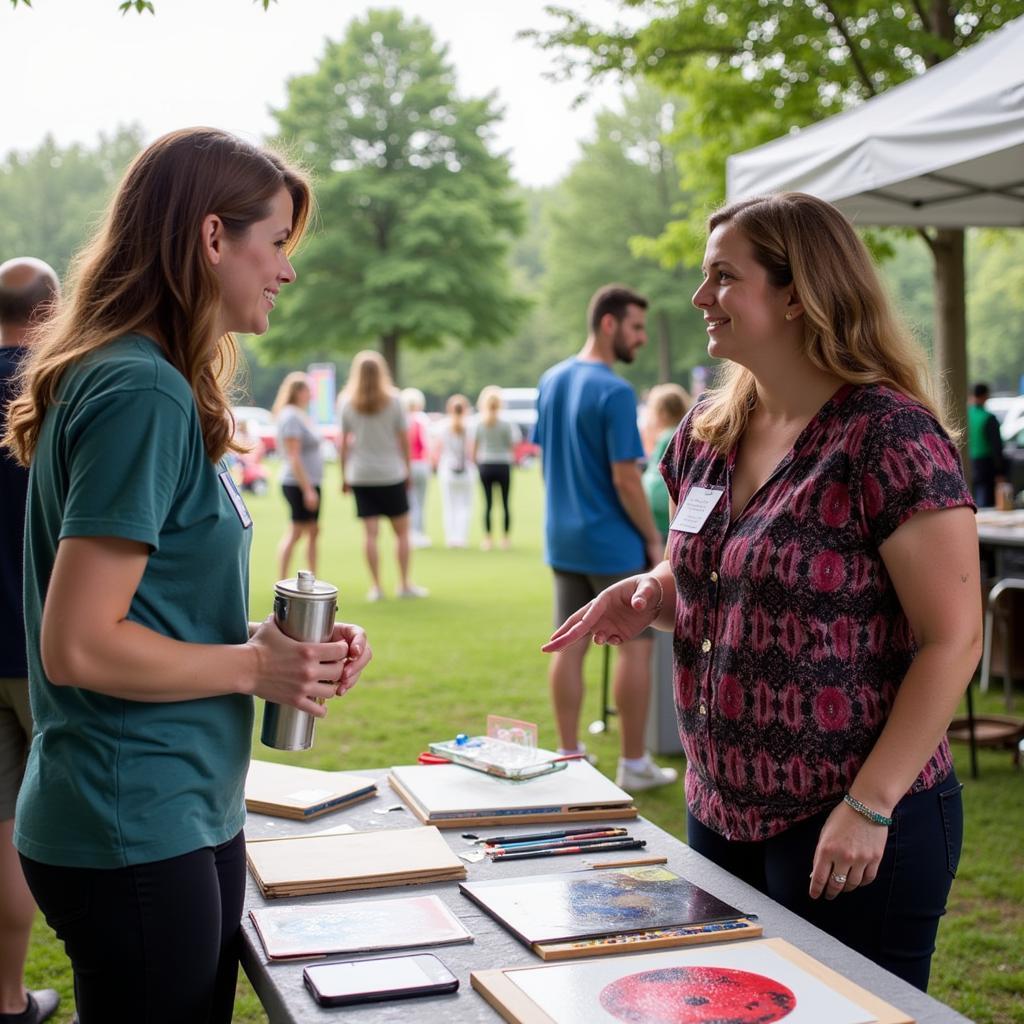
(15, 737)
(574, 589)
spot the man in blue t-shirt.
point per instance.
(599, 528)
(28, 288)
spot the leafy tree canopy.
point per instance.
(752, 71)
(52, 197)
(416, 212)
(139, 6)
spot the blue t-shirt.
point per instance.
(13, 488)
(113, 782)
(586, 420)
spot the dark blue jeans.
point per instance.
(153, 943)
(892, 921)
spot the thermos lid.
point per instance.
(306, 586)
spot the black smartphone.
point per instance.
(386, 977)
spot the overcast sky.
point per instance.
(75, 68)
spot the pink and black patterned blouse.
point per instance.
(790, 642)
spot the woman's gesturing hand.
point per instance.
(848, 854)
(616, 615)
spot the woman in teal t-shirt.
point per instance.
(142, 665)
(667, 404)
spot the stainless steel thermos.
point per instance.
(304, 609)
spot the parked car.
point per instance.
(520, 408)
(1012, 431)
(259, 422)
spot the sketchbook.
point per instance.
(358, 926)
(450, 796)
(764, 980)
(300, 866)
(576, 905)
(286, 791)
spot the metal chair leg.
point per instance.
(601, 724)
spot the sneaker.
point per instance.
(413, 591)
(374, 594)
(485, 544)
(41, 1005)
(632, 780)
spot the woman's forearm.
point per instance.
(132, 662)
(919, 718)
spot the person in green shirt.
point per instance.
(984, 448)
(667, 404)
(142, 665)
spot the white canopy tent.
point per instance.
(945, 150)
(942, 151)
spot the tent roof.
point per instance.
(945, 149)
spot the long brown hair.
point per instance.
(369, 387)
(850, 327)
(456, 407)
(289, 390)
(146, 268)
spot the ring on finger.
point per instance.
(839, 879)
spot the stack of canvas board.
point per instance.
(451, 796)
(499, 757)
(287, 791)
(301, 865)
(763, 980)
(357, 926)
(590, 913)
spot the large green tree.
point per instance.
(625, 186)
(52, 196)
(753, 71)
(416, 211)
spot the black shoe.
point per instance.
(41, 1005)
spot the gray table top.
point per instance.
(280, 988)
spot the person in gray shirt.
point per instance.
(299, 443)
(374, 454)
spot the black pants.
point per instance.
(492, 473)
(895, 918)
(154, 943)
(983, 476)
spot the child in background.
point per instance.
(667, 404)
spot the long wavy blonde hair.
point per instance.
(369, 387)
(850, 327)
(146, 268)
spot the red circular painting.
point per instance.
(697, 995)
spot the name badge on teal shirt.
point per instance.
(236, 498)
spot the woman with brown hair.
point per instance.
(142, 664)
(374, 455)
(821, 582)
(299, 442)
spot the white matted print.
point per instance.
(736, 985)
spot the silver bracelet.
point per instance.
(864, 811)
(661, 592)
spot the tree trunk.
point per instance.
(950, 348)
(664, 348)
(389, 349)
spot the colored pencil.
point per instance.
(557, 851)
(498, 840)
(609, 833)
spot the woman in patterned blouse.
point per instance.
(822, 585)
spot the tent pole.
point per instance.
(950, 345)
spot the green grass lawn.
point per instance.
(442, 664)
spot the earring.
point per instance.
(789, 316)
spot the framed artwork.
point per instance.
(756, 982)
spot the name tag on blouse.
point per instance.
(236, 499)
(698, 504)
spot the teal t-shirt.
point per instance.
(654, 485)
(113, 782)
